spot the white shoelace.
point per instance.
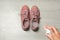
(48, 31)
(35, 24)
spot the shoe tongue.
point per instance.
(26, 24)
(35, 24)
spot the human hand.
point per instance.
(54, 35)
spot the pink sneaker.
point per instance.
(35, 18)
(25, 18)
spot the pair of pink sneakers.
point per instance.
(28, 17)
